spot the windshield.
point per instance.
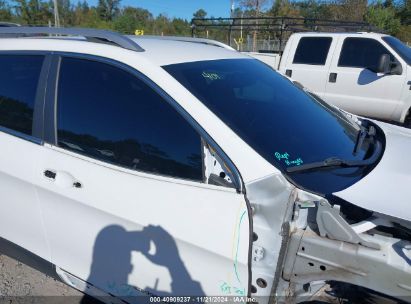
(280, 121)
(402, 50)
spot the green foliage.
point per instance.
(5, 11)
(35, 12)
(384, 17)
(393, 16)
(314, 9)
(180, 27)
(404, 12)
(283, 8)
(107, 9)
(200, 13)
(132, 18)
(65, 11)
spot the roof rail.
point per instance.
(89, 34)
(7, 24)
(189, 39)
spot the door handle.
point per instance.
(62, 179)
(50, 174)
(332, 77)
(289, 73)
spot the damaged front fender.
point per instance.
(330, 249)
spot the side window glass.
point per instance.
(361, 53)
(312, 50)
(19, 76)
(109, 114)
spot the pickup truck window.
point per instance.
(19, 76)
(362, 53)
(280, 121)
(402, 50)
(312, 50)
(109, 114)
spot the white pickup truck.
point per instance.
(368, 74)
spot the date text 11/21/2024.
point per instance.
(203, 299)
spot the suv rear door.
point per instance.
(126, 203)
(357, 89)
(310, 62)
(22, 85)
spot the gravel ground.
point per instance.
(20, 283)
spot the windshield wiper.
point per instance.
(338, 162)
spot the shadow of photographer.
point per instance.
(112, 265)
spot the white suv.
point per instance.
(176, 167)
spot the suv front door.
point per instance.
(125, 200)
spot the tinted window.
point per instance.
(312, 50)
(361, 53)
(19, 76)
(279, 121)
(109, 114)
(403, 50)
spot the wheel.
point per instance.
(407, 121)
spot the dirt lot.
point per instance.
(20, 283)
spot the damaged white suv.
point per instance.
(179, 168)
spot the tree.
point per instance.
(383, 17)
(282, 8)
(5, 11)
(313, 9)
(132, 18)
(34, 12)
(404, 12)
(254, 6)
(107, 9)
(404, 33)
(352, 10)
(180, 27)
(65, 12)
(200, 14)
(162, 26)
(81, 13)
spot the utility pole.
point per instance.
(257, 13)
(232, 9)
(56, 14)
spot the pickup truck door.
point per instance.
(126, 203)
(310, 62)
(354, 88)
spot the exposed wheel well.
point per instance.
(407, 119)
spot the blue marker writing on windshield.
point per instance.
(285, 156)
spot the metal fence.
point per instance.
(247, 44)
(268, 34)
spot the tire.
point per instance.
(407, 121)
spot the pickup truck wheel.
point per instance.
(407, 121)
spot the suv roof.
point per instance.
(160, 50)
(164, 50)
